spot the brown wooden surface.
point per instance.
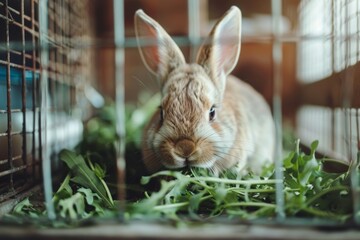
(331, 91)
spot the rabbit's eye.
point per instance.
(212, 113)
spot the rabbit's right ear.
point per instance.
(159, 52)
(219, 55)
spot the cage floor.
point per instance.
(142, 230)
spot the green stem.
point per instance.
(102, 182)
(243, 190)
(250, 204)
(220, 180)
(200, 184)
(177, 205)
(170, 206)
(324, 214)
(329, 183)
(240, 182)
(107, 191)
(90, 163)
(297, 146)
(322, 193)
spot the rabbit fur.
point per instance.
(207, 118)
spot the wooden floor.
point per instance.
(142, 230)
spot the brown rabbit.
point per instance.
(207, 118)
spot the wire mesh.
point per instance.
(24, 88)
(330, 51)
(19, 81)
(330, 57)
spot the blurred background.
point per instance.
(318, 69)
(255, 64)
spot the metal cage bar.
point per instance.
(46, 161)
(119, 39)
(276, 9)
(193, 26)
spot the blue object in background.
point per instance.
(16, 87)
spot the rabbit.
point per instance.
(207, 118)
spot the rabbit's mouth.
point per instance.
(176, 161)
(186, 152)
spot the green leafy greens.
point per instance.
(88, 188)
(86, 177)
(309, 192)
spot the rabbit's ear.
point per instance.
(158, 51)
(220, 52)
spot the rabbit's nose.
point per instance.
(185, 148)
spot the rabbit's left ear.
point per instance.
(160, 53)
(220, 53)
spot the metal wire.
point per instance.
(16, 22)
(37, 108)
(119, 36)
(46, 161)
(333, 121)
(276, 7)
(193, 26)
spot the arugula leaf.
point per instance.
(99, 171)
(21, 205)
(64, 191)
(73, 206)
(84, 176)
(25, 207)
(194, 203)
(89, 195)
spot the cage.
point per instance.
(26, 122)
(61, 62)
